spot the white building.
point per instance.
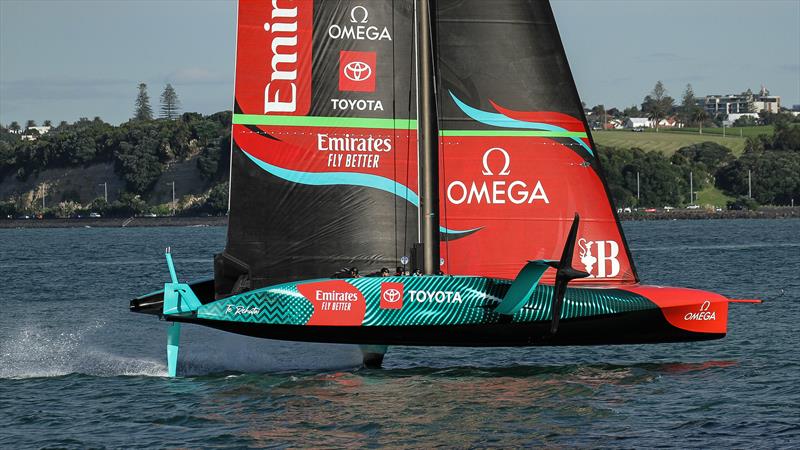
(29, 136)
(638, 122)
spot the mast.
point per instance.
(428, 138)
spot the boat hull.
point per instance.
(454, 311)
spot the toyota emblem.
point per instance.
(391, 295)
(357, 71)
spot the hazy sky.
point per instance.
(63, 59)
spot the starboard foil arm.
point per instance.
(179, 299)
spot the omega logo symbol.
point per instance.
(507, 162)
(364, 17)
(704, 307)
(357, 71)
(391, 295)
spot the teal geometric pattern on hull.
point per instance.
(407, 301)
(273, 305)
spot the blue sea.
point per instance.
(78, 370)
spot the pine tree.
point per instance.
(14, 126)
(143, 109)
(688, 105)
(170, 105)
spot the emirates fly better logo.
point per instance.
(391, 295)
(357, 71)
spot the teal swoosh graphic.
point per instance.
(499, 120)
(352, 179)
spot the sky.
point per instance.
(66, 59)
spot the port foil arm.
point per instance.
(522, 287)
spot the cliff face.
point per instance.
(85, 184)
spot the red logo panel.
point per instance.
(688, 309)
(391, 295)
(357, 71)
(273, 57)
(336, 303)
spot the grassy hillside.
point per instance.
(712, 196)
(729, 131)
(665, 142)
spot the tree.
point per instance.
(599, 115)
(688, 104)
(631, 111)
(217, 201)
(47, 123)
(170, 105)
(143, 109)
(14, 127)
(750, 101)
(699, 116)
(30, 123)
(658, 104)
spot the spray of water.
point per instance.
(35, 351)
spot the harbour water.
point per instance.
(78, 370)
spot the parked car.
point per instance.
(95, 215)
(693, 207)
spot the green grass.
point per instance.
(665, 142)
(732, 131)
(712, 196)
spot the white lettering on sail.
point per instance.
(362, 152)
(341, 104)
(359, 29)
(496, 192)
(280, 93)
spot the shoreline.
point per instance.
(221, 221)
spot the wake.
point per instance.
(34, 352)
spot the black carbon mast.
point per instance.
(428, 138)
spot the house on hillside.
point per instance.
(670, 122)
(33, 133)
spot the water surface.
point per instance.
(78, 370)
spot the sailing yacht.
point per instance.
(443, 138)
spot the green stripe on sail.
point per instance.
(512, 133)
(316, 121)
(391, 124)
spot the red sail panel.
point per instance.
(273, 57)
(521, 193)
(517, 160)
